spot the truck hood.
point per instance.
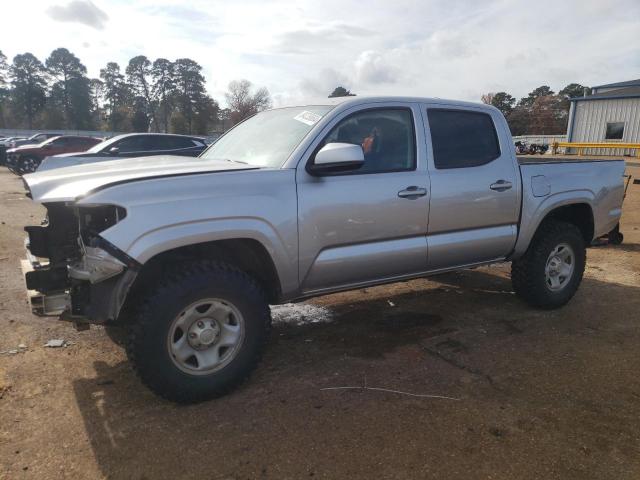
(78, 154)
(70, 183)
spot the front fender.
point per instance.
(174, 236)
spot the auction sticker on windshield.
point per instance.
(307, 117)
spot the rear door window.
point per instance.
(462, 138)
(132, 144)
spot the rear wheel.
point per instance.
(200, 333)
(550, 272)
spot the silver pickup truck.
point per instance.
(297, 202)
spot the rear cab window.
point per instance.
(462, 138)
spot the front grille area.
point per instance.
(57, 241)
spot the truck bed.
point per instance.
(537, 159)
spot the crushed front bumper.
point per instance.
(91, 290)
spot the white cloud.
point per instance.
(371, 68)
(80, 11)
(303, 49)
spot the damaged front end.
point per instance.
(71, 271)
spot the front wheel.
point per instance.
(200, 333)
(28, 164)
(550, 272)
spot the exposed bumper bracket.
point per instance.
(51, 304)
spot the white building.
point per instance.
(611, 114)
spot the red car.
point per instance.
(26, 158)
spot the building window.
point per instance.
(615, 130)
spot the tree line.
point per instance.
(158, 96)
(541, 112)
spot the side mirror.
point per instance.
(47, 146)
(114, 151)
(337, 157)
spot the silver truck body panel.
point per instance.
(597, 184)
(255, 204)
(469, 222)
(341, 215)
(60, 161)
(331, 233)
(70, 183)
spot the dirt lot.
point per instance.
(540, 394)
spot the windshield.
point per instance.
(268, 138)
(47, 141)
(97, 148)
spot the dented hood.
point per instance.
(69, 184)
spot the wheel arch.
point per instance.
(247, 254)
(578, 214)
(572, 207)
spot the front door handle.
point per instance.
(412, 192)
(501, 186)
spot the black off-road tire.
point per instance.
(117, 333)
(148, 332)
(528, 272)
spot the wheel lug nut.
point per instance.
(192, 335)
(200, 324)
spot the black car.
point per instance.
(145, 144)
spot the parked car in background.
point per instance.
(27, 158)
(3, 148)
(32, 140)
(5, 142)
(131, 145)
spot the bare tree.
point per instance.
(487, 98)
(243, 103)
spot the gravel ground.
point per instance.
(534, 394)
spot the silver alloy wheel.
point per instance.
(205, 336)
(559, 268)
(28, 165)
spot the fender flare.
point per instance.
(170, 237)
(530, 221)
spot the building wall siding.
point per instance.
(591, 120)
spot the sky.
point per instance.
(302, 50)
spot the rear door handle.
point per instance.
(412, 192)
(501, 186)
